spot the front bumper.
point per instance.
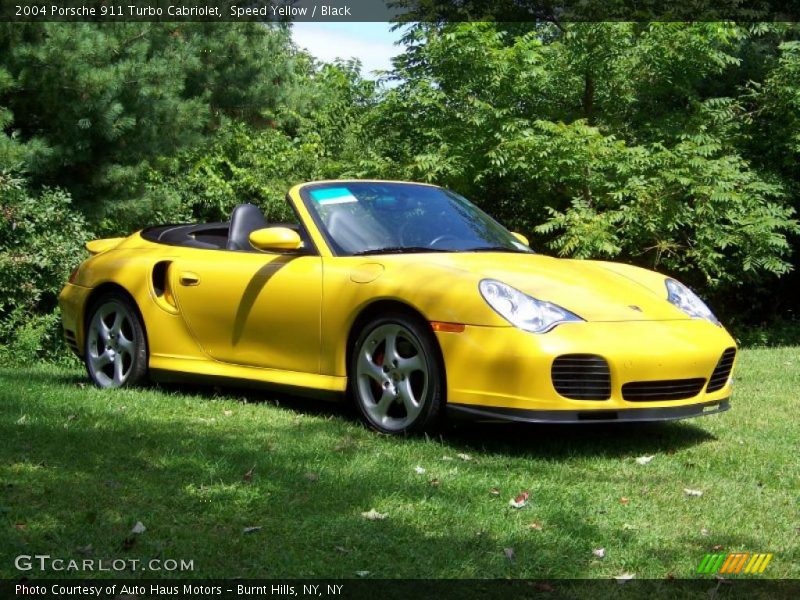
(669, 413)
(504, 373)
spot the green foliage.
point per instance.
(238, 165)
(320, 139)
(30, 337)
(691, 210)
(41, 241)
(112, 102)
(783, 331)
(615, 140)
(777, 104)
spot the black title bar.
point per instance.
(398, 10)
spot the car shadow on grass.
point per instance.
(564, 441)
(555, 441)
(512, 439)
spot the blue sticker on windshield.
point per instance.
(338, 195)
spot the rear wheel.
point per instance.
(395, 373)
(115, 350)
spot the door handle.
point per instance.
(189, 278)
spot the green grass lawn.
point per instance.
(79, 467)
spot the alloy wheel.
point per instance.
(111, 347)
(393, 377)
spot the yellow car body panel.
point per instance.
(286, 319)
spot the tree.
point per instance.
(111, 101)
(608, 140)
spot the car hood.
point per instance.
(595, 291)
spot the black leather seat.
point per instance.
(245, 219)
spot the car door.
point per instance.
(252, 308)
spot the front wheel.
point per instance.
(395, 373)
(116, 347)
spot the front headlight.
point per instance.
(689, 302)
(521, 310)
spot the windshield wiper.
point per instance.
(496, 249)
(399, 250)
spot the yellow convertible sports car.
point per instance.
(404, 297)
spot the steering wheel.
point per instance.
(441, 238)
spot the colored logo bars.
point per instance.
(734, 563)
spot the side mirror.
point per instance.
(275, 239)
(521, 238)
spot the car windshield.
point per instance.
(381, 218)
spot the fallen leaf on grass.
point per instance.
(509, 552)
(599, 552)
(362, 573)
(716, 547)
(20, 526)
(494, 491)
(624, 500)
(624, 577)
(693, 493)
(251, 529)
(536, 525)
(130, 541)
(704, 532)
(138, 528)
(248, 477)
(419, 470)
(643, 460)
(435, 482)
(374, 515)
(520, 501)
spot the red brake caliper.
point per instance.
(377, 358)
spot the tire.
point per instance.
(396, 376)
(115, 348)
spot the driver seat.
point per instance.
(245, 219)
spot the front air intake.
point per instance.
(722, 371)
(581, 377)
(668, 389)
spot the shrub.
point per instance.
(41, 241)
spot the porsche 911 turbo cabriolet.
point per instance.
(406, 298)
